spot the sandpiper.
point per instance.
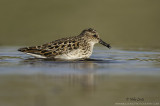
(71, 48)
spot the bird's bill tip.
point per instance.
(104, 43)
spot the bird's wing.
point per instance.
(54, 48)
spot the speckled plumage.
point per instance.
(77, 47)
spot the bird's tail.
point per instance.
(28, 49)
(23, 49)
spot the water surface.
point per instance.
(108, 77)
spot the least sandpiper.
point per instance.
(76, 47)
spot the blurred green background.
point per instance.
(119, 22)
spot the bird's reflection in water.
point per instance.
(77, 73)
(61, 86)
(88, 82)
(68, 66)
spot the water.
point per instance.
(109, 77)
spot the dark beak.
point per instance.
(104, 43)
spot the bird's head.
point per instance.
(92, 36)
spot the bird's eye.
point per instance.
(95, 36)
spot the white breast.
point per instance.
(75, 54)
